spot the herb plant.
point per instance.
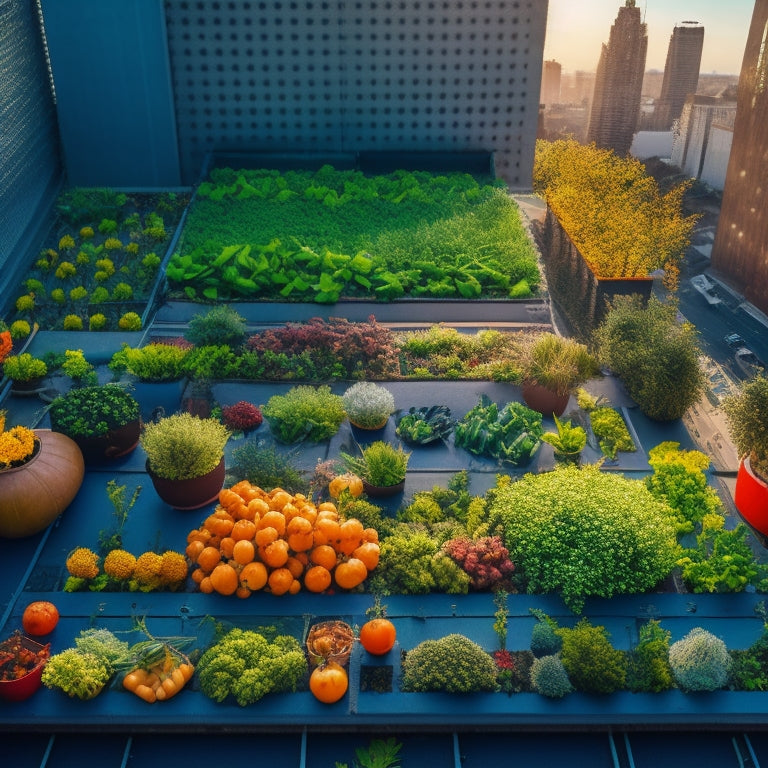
(304, 413)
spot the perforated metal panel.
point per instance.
(29, 166)
(307, 76)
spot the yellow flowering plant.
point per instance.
(17, 444)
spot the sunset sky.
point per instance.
(576, 30)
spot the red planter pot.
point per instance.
(751, 497)
(115, 444)
(544, 400)
(193, 493)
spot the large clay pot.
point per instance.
(193, 493)
(751, 498)
(544, 400)
(33, 495)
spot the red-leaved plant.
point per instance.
(241, 417)
(486, 560)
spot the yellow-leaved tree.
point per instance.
(613, 210)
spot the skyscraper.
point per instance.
(740, 251)
(681, 73)
(619, 82)
(550, 83)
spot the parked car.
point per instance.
(748, 362)
(733, 340)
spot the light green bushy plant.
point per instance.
(584, 533)
(153, 362)
(452, 664)
(745, 412)
(380, 463)
(184, 446)
(220, 325)
(304, 413)
(549, 678)
(24, 367)
(700, 661)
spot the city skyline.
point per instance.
(576, 31)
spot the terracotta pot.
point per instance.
(382, 491)
(751, 497)
(544, 400)
(37, 492)
(192, 493)
(377, 428)
(116, 443)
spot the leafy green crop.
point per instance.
(318, 236)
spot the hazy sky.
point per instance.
(576, 30)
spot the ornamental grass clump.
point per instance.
(451, 664)
(583, 532)
(700, 661)
(184, 446)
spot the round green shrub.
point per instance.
(220, 325)
(130, 321)
(592, 663)
(304, 413)
(73, 323)
(544, 640)
(452, 664)
(583, 532)
(549, 678)
(20, 329)
(97, 322)
(656, 357)
(700, 661)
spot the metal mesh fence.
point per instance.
(30, 171)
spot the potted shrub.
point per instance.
(368, 405)
(103, 420)
(185, 459)
(25, 371)
(747, 415)
(568, 442)
(381, 466)
(159, 371)
(552, 367)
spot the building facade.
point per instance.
(681, 73)
(702, 138)
(619, 82)
(740, 250)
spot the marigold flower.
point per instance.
(119, 564)
(6, 345)
(83, 563)
(147, 570)
(16, 446)
(173, 569)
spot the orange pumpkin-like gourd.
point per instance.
(329, 682)
(347, 480)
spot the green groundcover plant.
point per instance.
(320, 235)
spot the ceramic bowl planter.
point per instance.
(102, 420)
(189, 493)
(544, 400)
(38, 491)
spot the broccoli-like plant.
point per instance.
(453, 664)
(247, 666)
(592, 663)
(549, 678)
(700, 661)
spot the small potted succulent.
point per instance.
(185, 459)
(552, 367)
(22, 661)
(381, 466)
(103, 420)
(25, 371)
(747, 415)
(368, 405)
(568, 442)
